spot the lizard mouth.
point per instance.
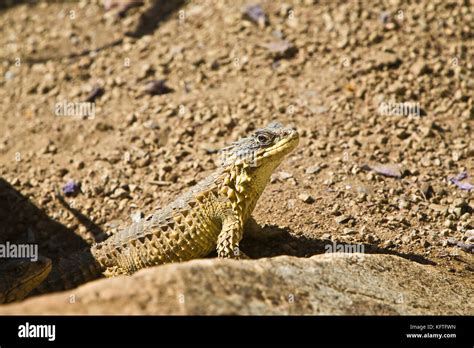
(29, 280)
(266, 146)
(275, 153)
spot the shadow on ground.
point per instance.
(279, 241)
(5, 4)
(22, 222)
(157, 12)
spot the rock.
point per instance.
(438, 207)
(392, 170)
(313, 170)
(452, 241)
(156, 87)
(146, 71)
(103, 127)
(96, 92)
(281, 49)
(120, 193)
(385, 60)
(9, 75)
(427, 190)
(306, 198)
(406, 239)
(272, 286)
(419, 68)
(424, 243)
(326, 236)
(284, 175)
(348, 231)
(402, 134)
(62, 172)
(50, 148)
(143, 162)
(468, 114)
(79, 165)
(459, 202)
(448, 223)
(342, 219)
(131, 119)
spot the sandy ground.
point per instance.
(335, 71)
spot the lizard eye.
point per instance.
(264, 139)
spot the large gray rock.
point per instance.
(323, 284)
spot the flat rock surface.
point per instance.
(339, 284)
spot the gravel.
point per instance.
(351, 58)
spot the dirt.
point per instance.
(171, 84)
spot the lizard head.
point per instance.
(20, 276)
(266, 147)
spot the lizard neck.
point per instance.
(244, 185)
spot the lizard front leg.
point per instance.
(229, 238)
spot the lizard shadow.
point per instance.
(7, 4)
(23, 222)
(97, 232)
(157, 12)
(277, 241)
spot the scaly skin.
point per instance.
(210, 216)
(19, 276)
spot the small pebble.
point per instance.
(157, 87)
(306, 198)
(342, 219)
(313, 170)
(285, 175)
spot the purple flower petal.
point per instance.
(71, 188)
(462, 185)
(256, 14)
(460, 176)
